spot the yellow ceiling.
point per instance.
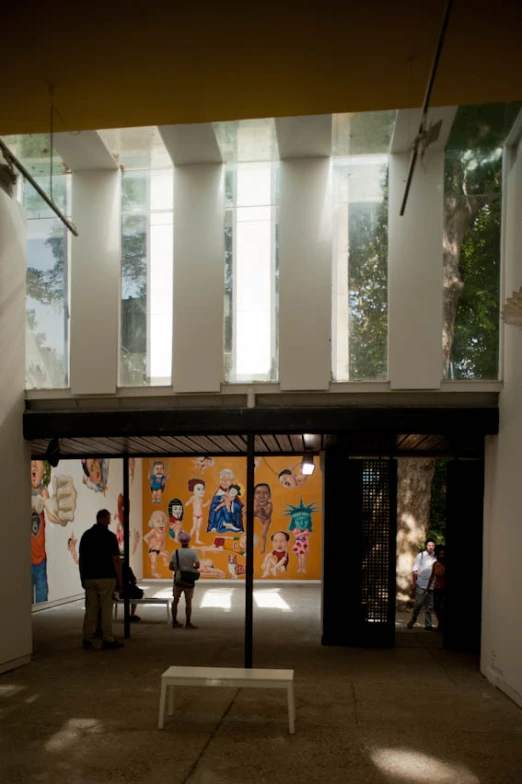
(117, 64)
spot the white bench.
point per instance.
(234, 677)
(153, 600)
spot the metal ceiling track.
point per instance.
(424, 116)
(12, 160)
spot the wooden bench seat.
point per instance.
(235, 677)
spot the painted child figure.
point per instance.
(276, 562)
(197, 488)
(155, 540)
(158, 479)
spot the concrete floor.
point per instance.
(410, 715)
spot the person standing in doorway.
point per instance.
(184, 562)
(437, 581)
(100, 573)
(421, 571)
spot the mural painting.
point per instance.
(206, 498)
(58, 508)
(70, 495)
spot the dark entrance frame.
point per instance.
(354, 431)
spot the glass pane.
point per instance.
(147, 277)
(471, 263)
(133, 364)
(251, 271)
(360, 276)
(47, 331)
(241, 141)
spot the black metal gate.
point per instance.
(359, 551)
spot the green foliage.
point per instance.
(47, 286)
(368, 288)
(473, 182)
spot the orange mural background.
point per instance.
(289, 513)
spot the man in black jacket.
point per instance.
(100, 572)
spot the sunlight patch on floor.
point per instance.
(72, 732)
(9, 690)
(271, 600)
(414, 766)
(219, 598)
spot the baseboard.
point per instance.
(13, 664)
(501, 684)
(57, 603)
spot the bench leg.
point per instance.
(115, 611)
(171, 700)
(168, 612)
(162, 705)
(291, 709)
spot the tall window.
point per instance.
(471, 252)
(146, 277)
(47, 277)
(251, 272)
(360, 271)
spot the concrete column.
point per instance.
(199, 277)
(415, 273)
(502, 609)
(15, 488)
(305, 274)
(95, 282)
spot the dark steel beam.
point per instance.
(331, 420)
(249, 582)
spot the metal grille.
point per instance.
(375, 540)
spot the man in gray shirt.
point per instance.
(187, 560)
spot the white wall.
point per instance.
(501, 659)
(15, 531)
(305, 274)
(95, 282)
(199, 277)
(415, 273)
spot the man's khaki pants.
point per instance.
(98, 600)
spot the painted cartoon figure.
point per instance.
(176, 514)
(59, 509)
(293, 477)
(207, 569)
(96, 472)
(276, 562)
(227, 516)
(119, 521)
(71, 547)
(158, 477)
(132, 468)
(155, 541)
(197, 488)
(235, 544)
(235, 568)
(230, 501)
(202, 463)
(136, 538)
(301, 526)
(263, 509)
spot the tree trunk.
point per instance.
(415, 476)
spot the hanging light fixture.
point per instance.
(308, 465)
